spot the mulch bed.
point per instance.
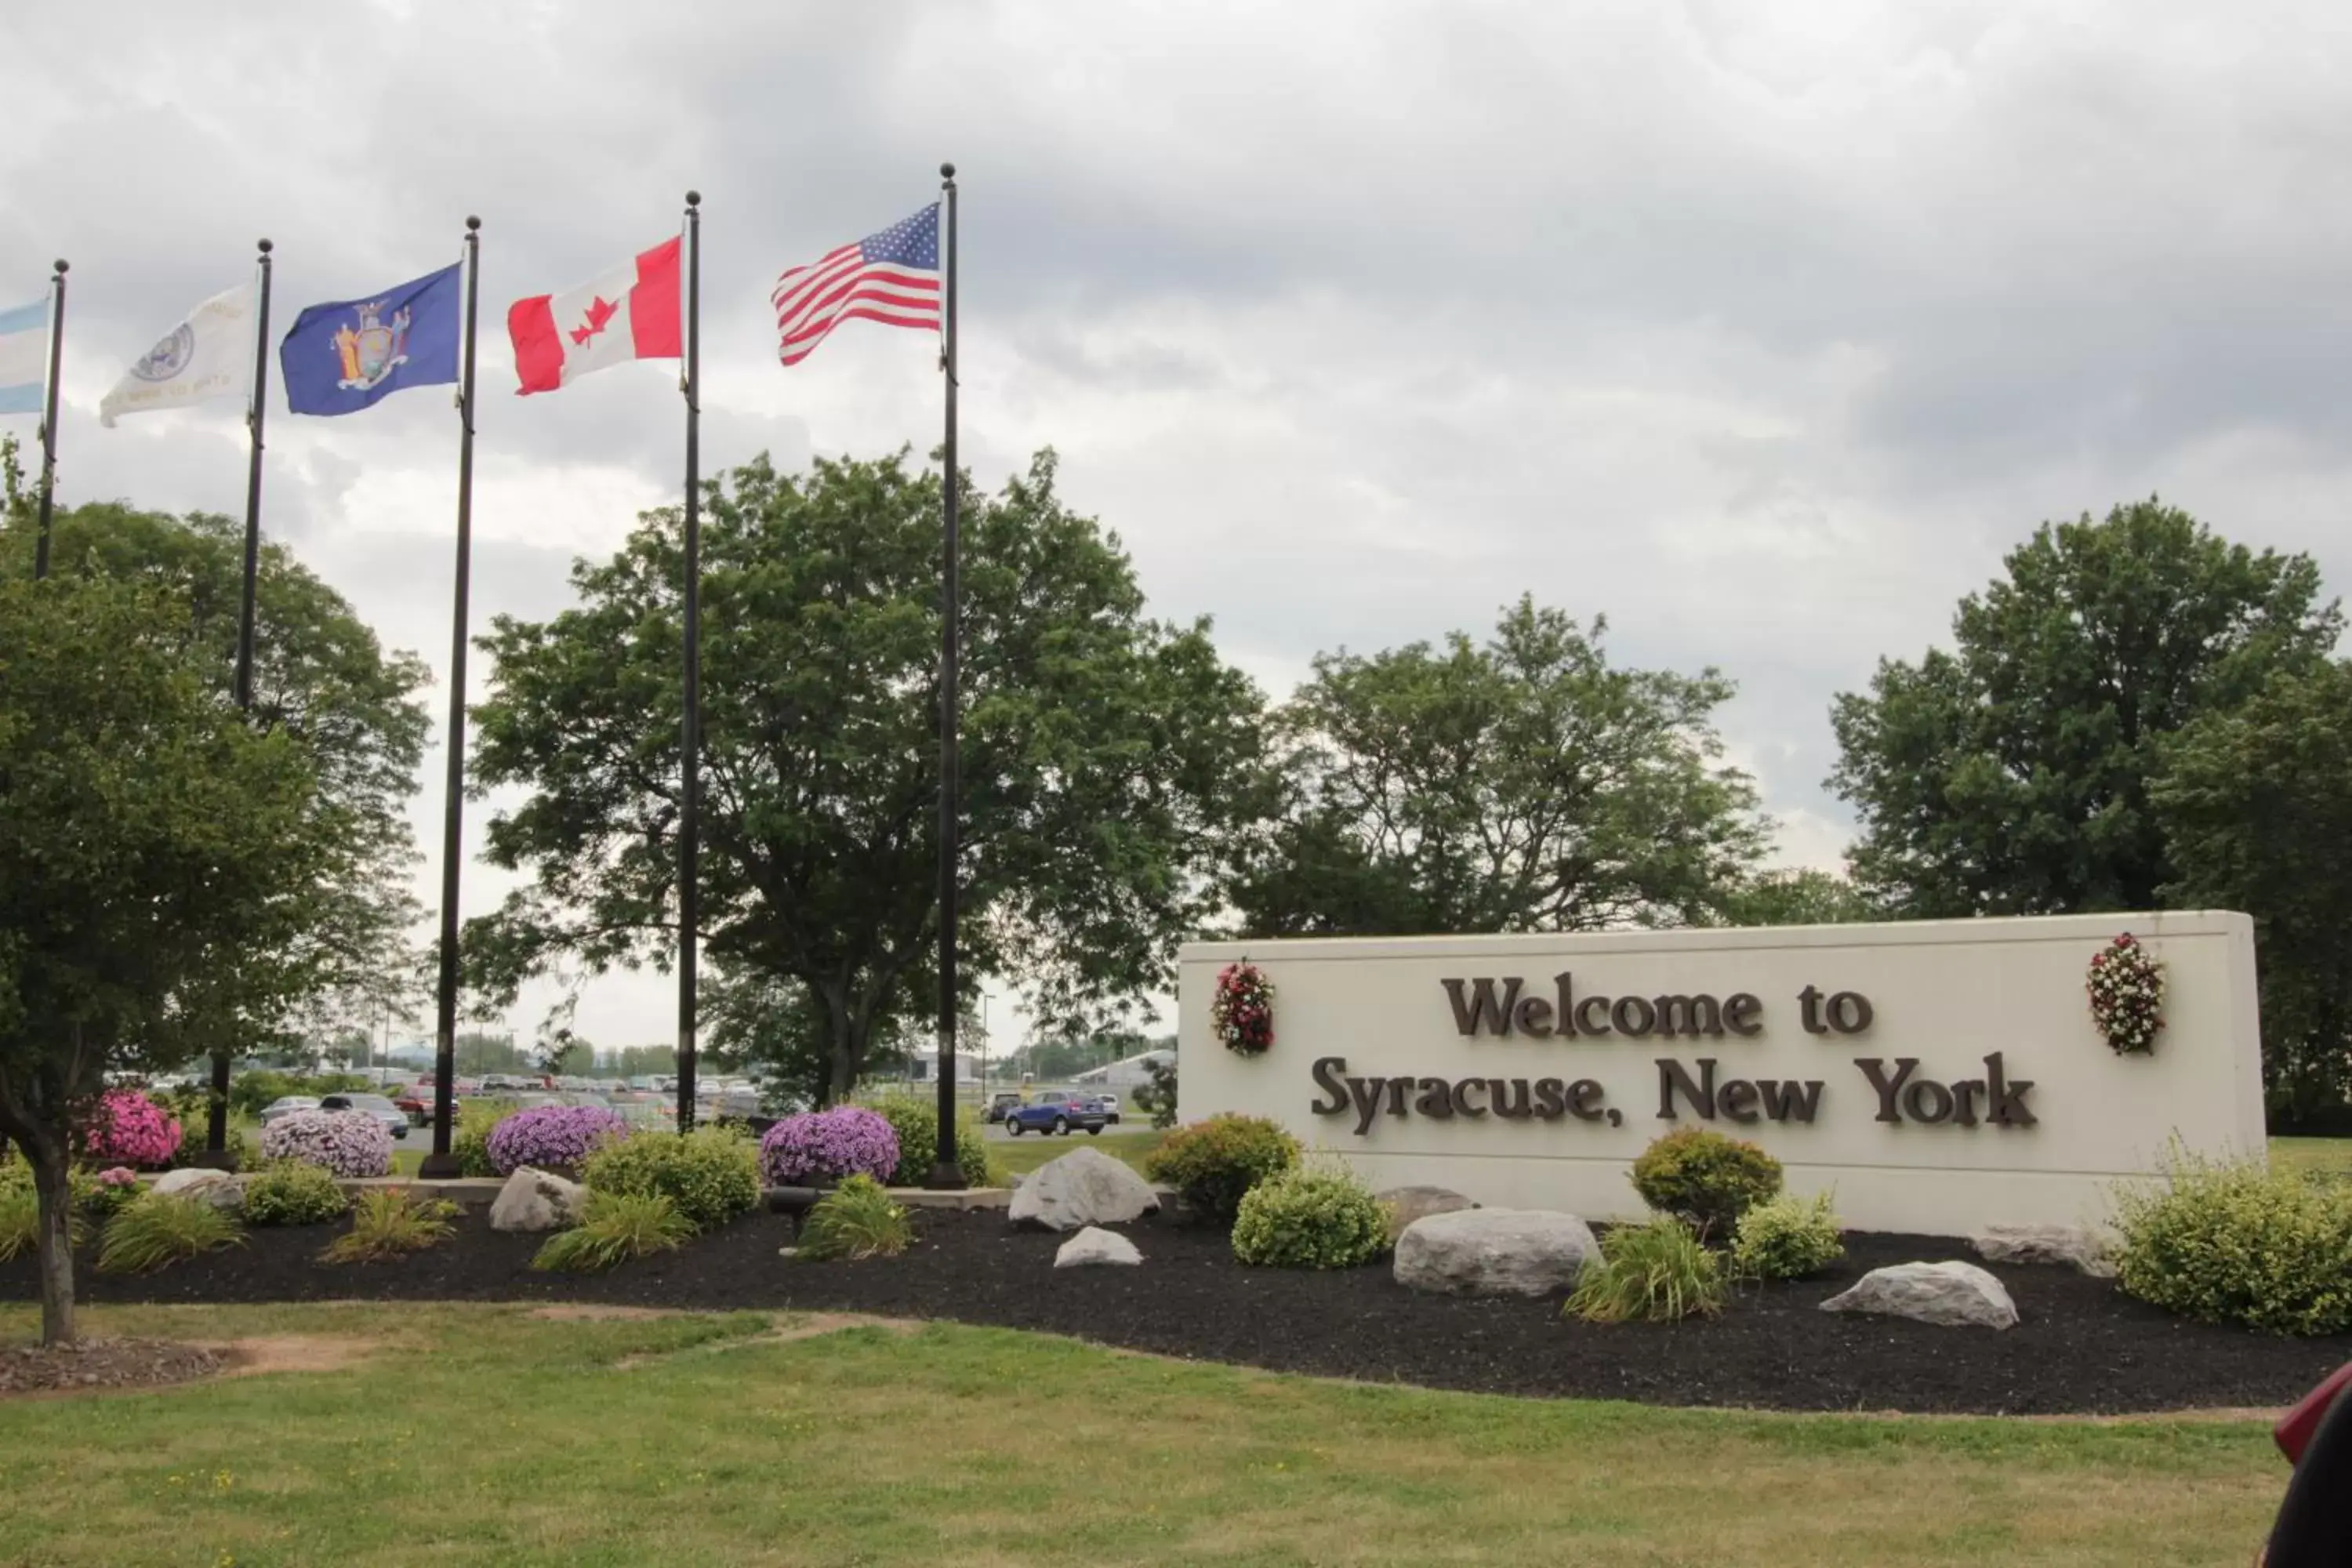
(90, 1366)
(2082, 1348)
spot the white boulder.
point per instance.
(1406, 1204)
(1084, 1186)
(2060, 1244)
(535, 1200)
(1952, 1295)
(219, 1188)
(1493, 1252)
(1094, 1245)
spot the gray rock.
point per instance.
(1096, 1245)
(1084, 1186)
(1407, 1205)
(535, 1200)
(2081, 1249)
(1952, 1295)
(1493, 1252)
(219, 1188)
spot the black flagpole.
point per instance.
(945, 1174)
(441, 1163)
(49, 424)
(689, 817)
(216, 1118)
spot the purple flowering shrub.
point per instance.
(126, 1128)
(351, 1144)
(552, 1135)
(827, 1145)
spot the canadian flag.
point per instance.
(631, 312)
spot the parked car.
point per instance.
(416, 1104)
(1055, 1111)
(394, 1120)
(1108, 1105)
(287, 1105)
(998, 1107)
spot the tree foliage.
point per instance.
(322, 678)
(1104, 756)
(1802, 896)
(155, 854)
(1525, 784)
(2010, 774)
(2256, 806)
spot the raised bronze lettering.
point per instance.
(1584, 1100)
(1513, 1105)
(1874, 1069)
(1965, 1095)
(1789, 1101)
(1928, 1102)
(1672, 1076)
(1809, 1009)
(1689, 1015)
(1461, 1092)
(2006, 1098)
(1636, 1023)
(1566, 1007)
(1326, 1071)
(1367, 1094)
(1585, 1020)
(1551, 1103)
(1739, 1012)
(1482, 1006)
(1398, 1089)
(1737, 1100)
(1435, 1099)
(1850, 1012)
(1533, 1015)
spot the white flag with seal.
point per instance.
(210, 355)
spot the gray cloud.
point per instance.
(1764, 330)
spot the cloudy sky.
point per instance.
(1764, 329)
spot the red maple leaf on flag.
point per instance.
(600, 310)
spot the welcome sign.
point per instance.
(1940, 1075)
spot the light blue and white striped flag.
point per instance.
(23, 357)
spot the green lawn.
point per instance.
(2329, 1157)
(1030, 1149)
(482, 1434)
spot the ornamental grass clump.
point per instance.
(391, 1223)
(2236, 1242)
(126, 1128)
(164, 1228)
(711, 1174)
(293, 1192)
(1212, 1164)
(857, 1220)
(829, 1146)
(547, 1135)
(1789, 1237)
(1310, 1218)
(614, 1228)
(20, 1212)
(1704, 1178)
(351, 1144)
(1659, 1273)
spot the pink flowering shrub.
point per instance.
(552, 1135)
(351, 1144)
(827, 1145)
(126, 1128)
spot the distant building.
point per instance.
(922, 1064)
(1127, 1073)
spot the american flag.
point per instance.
(892, 277)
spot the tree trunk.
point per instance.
(51, 1182)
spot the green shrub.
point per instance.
(1214, 1163)
(1310, 1218)
(293, 1192)
(2239, 1242)
(1658, 1273)
(614, 1228)
(917, 1122)
(389, 1222)
(1157, 1095)
(1788, 1238)
(160, 1228)
(1705, 1177)
(469, 1138)
(857, 1219)
(712, 1173)
(20, 1218)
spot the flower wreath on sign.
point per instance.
(1244, 1011)
(2127, 989)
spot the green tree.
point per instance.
(1104, 757)
(322, 677)
(157, 855)
(1804, 896)
(2256, 807)
(1521, 785)
(2010, 774)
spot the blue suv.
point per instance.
(1055, 1111)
